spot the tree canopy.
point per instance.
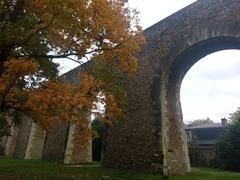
(34, 32)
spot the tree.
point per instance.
(234, 117)
(33, 32)
(228, 148)
(67, 28)
(200, 122)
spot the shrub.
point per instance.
(228, 148)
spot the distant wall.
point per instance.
(203, 157)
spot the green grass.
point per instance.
(35, 169)
(209, 174)
(12, 169)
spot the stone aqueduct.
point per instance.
(152, 136)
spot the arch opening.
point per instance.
(187, 59)
(209, 89)
(209, 93)
(172, 117)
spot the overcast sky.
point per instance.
(210, 88)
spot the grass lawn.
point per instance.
(13, 169)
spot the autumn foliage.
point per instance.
(33, 32)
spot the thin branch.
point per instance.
(17, 11)
(16, 108)
(83, 64)
(8, 8)
(17, 101)
(35, 32)
(68, 54)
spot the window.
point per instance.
(189, 136)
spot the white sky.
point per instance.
(152, 11)
(210, 88)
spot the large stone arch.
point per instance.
(172, 125)
(152, 136)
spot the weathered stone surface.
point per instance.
(152, 132)
(74, 155)
(36, 141)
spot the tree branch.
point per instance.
(82, 64)
(68, 54)
(6, 92)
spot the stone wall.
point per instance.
(26, 140)
(75, 155)
(29, 141)
(11, 141)
(36, 141)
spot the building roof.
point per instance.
(210, 125)
(206, 134)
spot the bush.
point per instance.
(228, 148)
(201, 157)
